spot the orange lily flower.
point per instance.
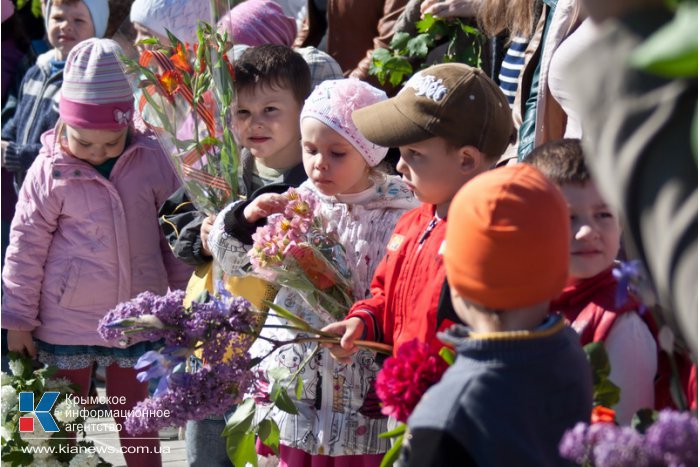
(170, 81)
(179, 59)
(602, 414)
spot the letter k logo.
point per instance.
(42, 411)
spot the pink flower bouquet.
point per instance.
(296, 250)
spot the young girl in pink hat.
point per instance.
(339, 416)
(85, 236)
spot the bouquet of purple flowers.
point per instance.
(297, 250)
(670, 439)
(219, 330)
(211, 326)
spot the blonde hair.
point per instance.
(515, 16)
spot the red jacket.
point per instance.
(407, 283)
(590, 307)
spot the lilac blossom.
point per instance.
(673, 439)
(573, 445)
(213, 389)
(670, 441)
(618, 447)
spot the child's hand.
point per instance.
(207, 224)
(351, 329)
(263, 206)
(22, 342)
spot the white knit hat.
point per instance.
(333, 101)
(99, 12)
(180, 17)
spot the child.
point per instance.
(338, 422)
(520, 379)
(68, 22)
(272, 82)
(151, 19)
(85, 236)
(271, 89)
(451, 122)
(271, 74)
(589, 299)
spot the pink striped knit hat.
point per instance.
(259, 22)
(95, 93)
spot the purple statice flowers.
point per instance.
(670, 441)
(222, 328)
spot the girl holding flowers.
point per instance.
(85, 236)
(338, 416)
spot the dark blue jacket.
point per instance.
(506, 401)
(37, 112)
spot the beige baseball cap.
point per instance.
(452, 101)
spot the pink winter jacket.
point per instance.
(80, 244)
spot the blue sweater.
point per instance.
(507, 400)
(37, 112)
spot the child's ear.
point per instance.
(471, 159)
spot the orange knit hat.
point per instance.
(507, 242)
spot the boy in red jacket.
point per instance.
(590, 301)
(451, 123)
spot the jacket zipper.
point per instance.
(325, 414)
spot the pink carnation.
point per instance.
(404, 378)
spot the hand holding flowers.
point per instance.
(223, 328)
(297, 250)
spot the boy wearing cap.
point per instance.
(520, 379)
(451, 122)
(68, 22)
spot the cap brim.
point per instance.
(384, 124)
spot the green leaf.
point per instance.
(269, 434)
(598, 359)
(399, 41)
(672, 51)
(299, 389)
(399, 430)
(278, 373)
(392, 455)
(398, 68)
(606, 393)
(241, 420)
(289, 316)
(448, 355)
(241, 449)
(17, 457)
(643, 419)
(149, 41)
(419, 45)
(470, 30)
(279, 396)
(426, 23)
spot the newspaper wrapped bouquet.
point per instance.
(297, 250)
(184, 93)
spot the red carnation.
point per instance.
(404, 378)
